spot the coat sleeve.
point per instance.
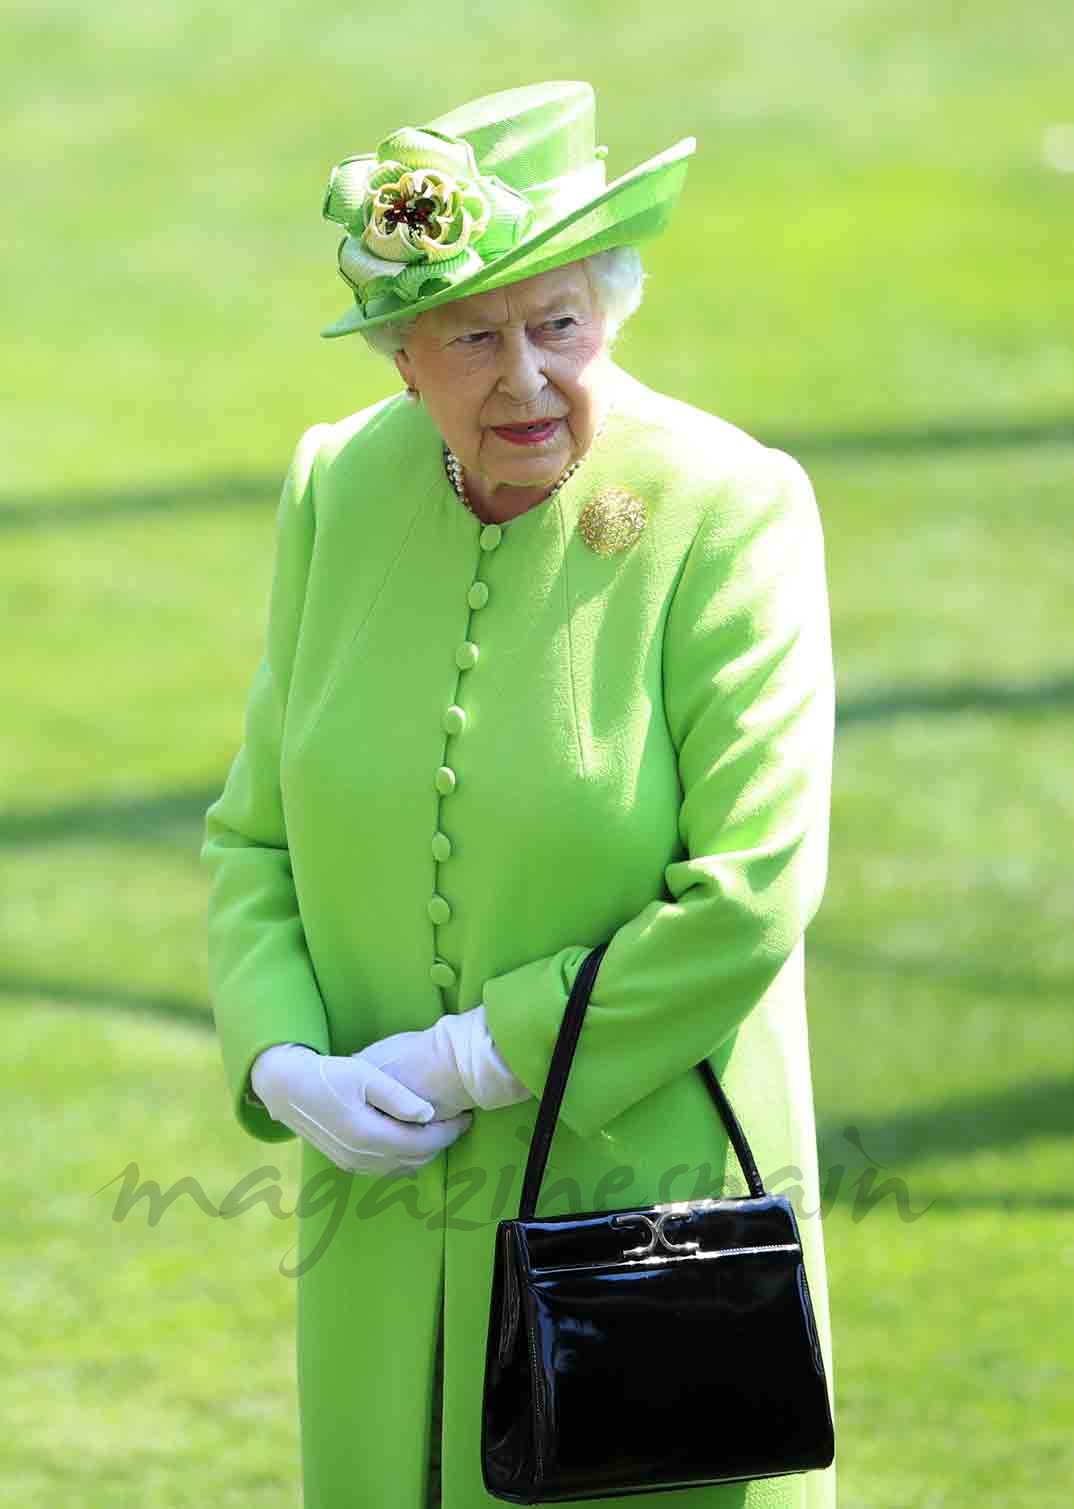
(262, 983)
(750, 702)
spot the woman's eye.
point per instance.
(563, 323)
(474, 337)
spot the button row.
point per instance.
(453, 722)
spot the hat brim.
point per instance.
(633, 208)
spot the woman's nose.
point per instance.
(522, 371)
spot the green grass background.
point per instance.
(872, 267)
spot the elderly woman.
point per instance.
(547, 664)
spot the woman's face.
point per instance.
(513, 379)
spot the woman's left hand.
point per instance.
(454, 1064)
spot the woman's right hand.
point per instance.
(359, 1117)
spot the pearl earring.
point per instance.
(412, 394)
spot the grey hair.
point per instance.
(617, 279)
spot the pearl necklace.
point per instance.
(453, 467)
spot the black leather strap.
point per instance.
(556, 1084)
(733, 1127)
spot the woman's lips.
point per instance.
(527, 434)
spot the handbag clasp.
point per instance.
(657, 1234)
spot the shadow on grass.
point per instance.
(998, 1119)
(87, 508)
(73, 510)
(114, 818)
(1010, 697)
(926, 439)
(57, 992)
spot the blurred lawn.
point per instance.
(870, 267)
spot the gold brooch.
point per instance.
(612, 521)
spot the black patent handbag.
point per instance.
(658, 1348)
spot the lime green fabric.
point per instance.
(644, 757)
(526, 191)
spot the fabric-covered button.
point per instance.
(441, 846)
(478, 595)
(491, 536)
(445, 780)
(466, 655)
(441, 973)
(438, 909)
(454, 719)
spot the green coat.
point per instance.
(641, 752)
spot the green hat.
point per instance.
(508, 186)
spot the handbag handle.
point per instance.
(556, 1084)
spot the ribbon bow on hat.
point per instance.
(420, 216)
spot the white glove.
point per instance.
(347, 1108)
(454, 1064)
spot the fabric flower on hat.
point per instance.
(422, 214)
(419, 216)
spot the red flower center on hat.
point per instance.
(415, 211)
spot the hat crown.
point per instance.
(530, 135)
